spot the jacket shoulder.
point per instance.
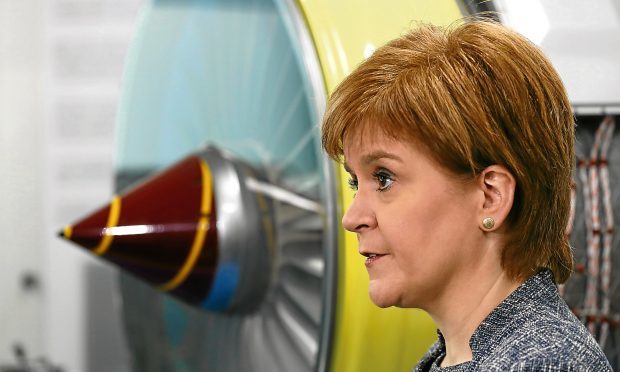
(548, 346)
(554, 365)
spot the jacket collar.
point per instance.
(536, 291)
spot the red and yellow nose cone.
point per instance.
(163, 231)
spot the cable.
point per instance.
(608, 125)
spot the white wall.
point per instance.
(582, 39)
(60, 78)
(21, 174)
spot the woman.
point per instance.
(459, 144)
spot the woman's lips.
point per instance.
(372, 258)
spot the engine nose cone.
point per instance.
(195, 230)
(162, 231)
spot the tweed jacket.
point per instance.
(531, 330)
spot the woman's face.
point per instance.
(415, 221)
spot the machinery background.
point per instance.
(252, 78)
(259, 92)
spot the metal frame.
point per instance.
(332, 207)
(479, 8)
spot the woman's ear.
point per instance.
(498, 186)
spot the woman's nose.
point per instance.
(359, 216)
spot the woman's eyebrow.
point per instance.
(372, 157)
(376, 155)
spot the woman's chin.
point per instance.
(381, 296)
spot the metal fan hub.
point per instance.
(246, 235)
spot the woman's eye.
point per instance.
(384, 179)
(353, 184)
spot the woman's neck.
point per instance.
(466, 306)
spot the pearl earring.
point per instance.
(488, 223)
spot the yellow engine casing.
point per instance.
(367, 338)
